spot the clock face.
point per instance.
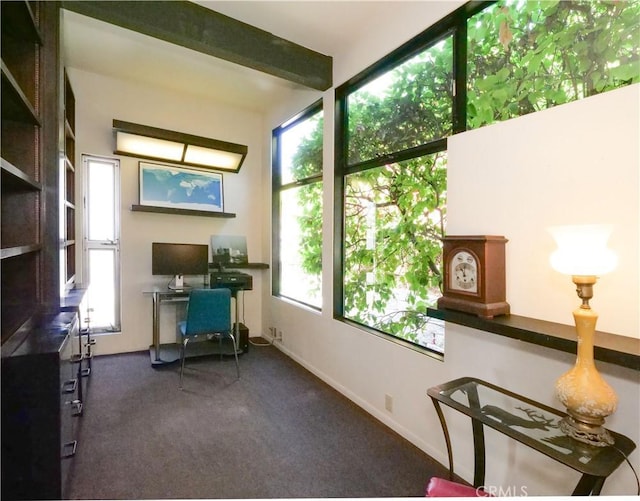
(463, 272)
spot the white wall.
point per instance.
(101, 99)
(574, 163)
(366, 367)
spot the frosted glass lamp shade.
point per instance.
(582, 250)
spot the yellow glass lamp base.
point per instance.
(586, 395)
(593, 434)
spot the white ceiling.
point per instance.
(327, 27)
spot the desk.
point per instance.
(170, 353)
(530, 423)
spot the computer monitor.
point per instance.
(179, 260)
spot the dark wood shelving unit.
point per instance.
(39, 401)
(67, 189)
(181, 212)
(619, 350)
(25, 142)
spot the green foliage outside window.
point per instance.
(526, 56)
(522, 56)
(300, 220)
(407, 107)
(394, 219)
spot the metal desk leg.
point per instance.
(478, 442)
(589, 486)
(156, 325)
(447, 439)
(237, 323)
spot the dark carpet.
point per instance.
(278, 432)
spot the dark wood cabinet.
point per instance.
(41, 407)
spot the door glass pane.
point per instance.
(102, 288)
(101, 202)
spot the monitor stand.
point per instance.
(178, 284)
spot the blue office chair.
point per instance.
(209, 315)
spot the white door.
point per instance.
(101, 257)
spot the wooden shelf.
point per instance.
(16, 179)
(68, 130)
(15, 104)
(19, 250)
(612, 348)
(243, 266)
(19, 22)
(181, 212)
(256, 266)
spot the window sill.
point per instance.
(611, 348)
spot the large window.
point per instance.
(394, 192)
(297, 203)
(526, 56)
(486, 62)
(403, 108)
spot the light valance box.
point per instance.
(143, 141)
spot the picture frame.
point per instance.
(232, 247)
(186, 188)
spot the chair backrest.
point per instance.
(208, 311)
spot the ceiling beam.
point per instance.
(204, 30)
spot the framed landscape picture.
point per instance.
(180, 188)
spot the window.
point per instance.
(526, 56)
(297, 203)
(485, 62)
(102, 241)
(394, 192)
(394, 216)
(403, 108)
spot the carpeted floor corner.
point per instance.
(278, 432)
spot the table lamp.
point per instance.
(582, 253)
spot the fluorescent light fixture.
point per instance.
(149, 147)
(147, 142)
(206, 156)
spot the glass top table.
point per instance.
(530, 423)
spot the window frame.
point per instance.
(277, 188)
(114, 245)
(454, 25)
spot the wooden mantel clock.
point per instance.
(474, 275)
